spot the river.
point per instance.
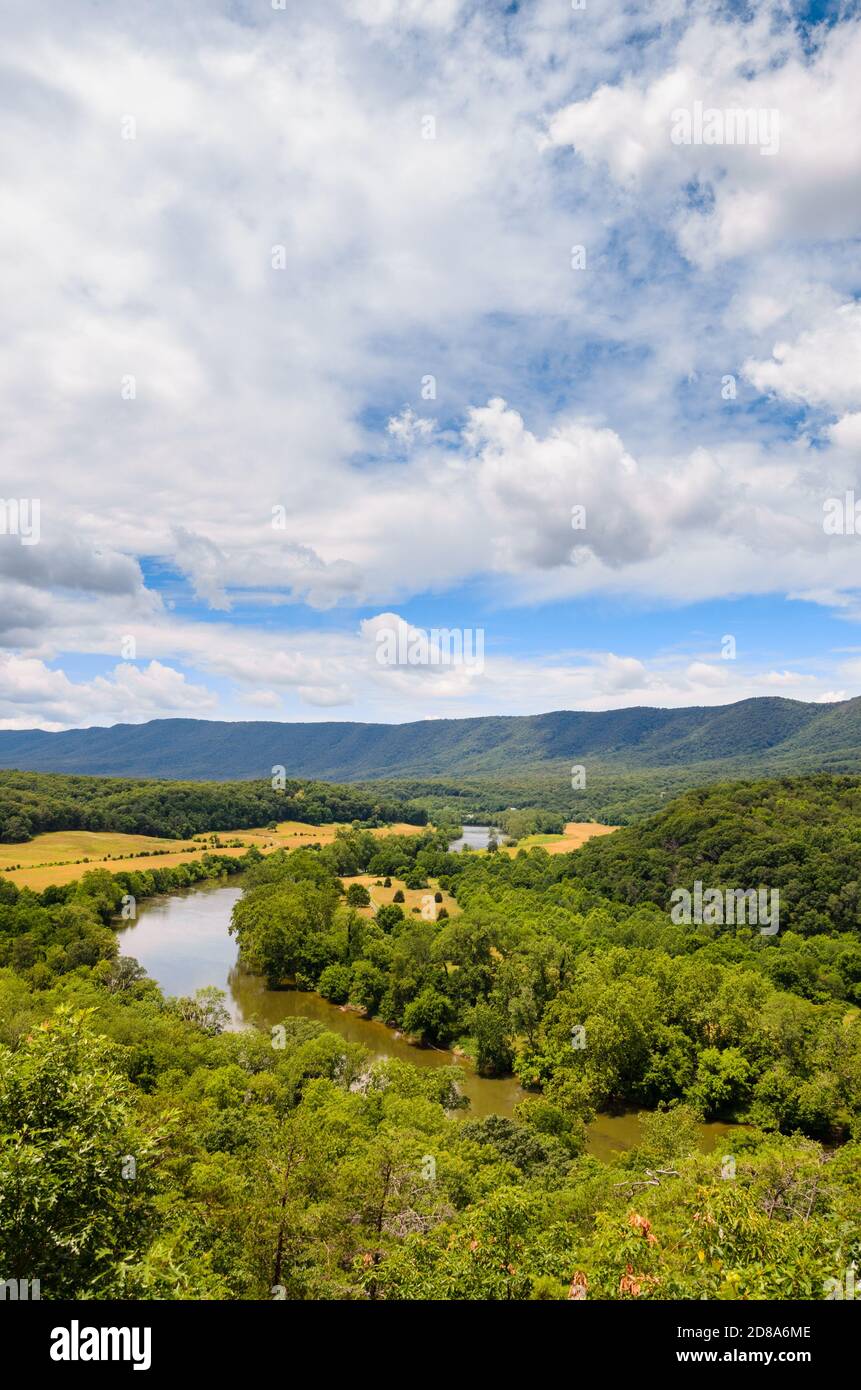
(183, 943)
(475, 836)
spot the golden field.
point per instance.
(58, 856)
(64, 855)
(412, 896)
(576, 833)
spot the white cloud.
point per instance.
(432, 14)
(407, 427)
(33, 695)
(702, 673)
(623, 673)
(325, 696)
(808, 190)
(786, 678)
(822, 366)
(260, 389)
(846, 432)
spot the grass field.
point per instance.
(576, 833)
(59, 856)
(64, 855)
(412, 896)
(62, 845)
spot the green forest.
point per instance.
(294, 1166)
(32, 803)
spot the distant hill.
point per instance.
(754, 735)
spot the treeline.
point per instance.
(33, 802)
(610, 795)
(516, 824)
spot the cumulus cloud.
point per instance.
(32, 694)
(445, 662)
(702, 673)
(822, 366)
(220, 575)
(68, 562)
(232, 257)
(846, 432)
(623, 673)
(579, 488)
(787, 678)
(806, 187)
(407, 427)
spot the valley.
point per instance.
(507, 1037)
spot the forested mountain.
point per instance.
(796, 834)
(762, 732)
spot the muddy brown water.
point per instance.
(183, 943)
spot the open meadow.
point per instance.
(63, 855)
(576, 833)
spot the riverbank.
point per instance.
(182, 941)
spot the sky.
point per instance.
(331, 324)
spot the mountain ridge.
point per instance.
(765, 729)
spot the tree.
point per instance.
(334, 983)
(368, 986)
(388, 916)
(722, 1081)
(281, 928)
(429, 1015)
(204, 1010)
(494, 1052)
(120, 974)
(358, 895)
(16, 829)
(70, 1214)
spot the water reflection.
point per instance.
(183, 943)
(476, 836)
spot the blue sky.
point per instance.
(324, 320)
